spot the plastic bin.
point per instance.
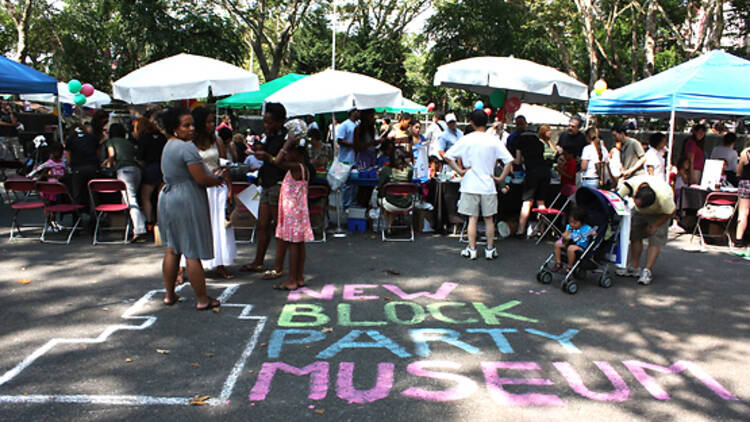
(356, 224)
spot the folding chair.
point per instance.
(319, 193)
(109, 186)
(543, 215)
(402, 190)
(717, 201)
(57, 188)
(23, 187)
(238, 187)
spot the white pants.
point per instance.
(132, 178)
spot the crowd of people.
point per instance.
(180, 159)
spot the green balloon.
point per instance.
(497, 98)
(74, 86)
(79, 99)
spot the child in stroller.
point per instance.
(577, 237)
(589, 242)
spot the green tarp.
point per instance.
(254, 100)
(407, 106)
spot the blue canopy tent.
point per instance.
(714, 84)
(16, 78)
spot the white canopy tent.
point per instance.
(529, 81)
(333, 90)
(97, 100)
(182, 77)
(540, 115)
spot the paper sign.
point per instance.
(250, 198)
(712, 174)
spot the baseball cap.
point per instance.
(450, 117)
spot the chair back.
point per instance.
(51, 188)
(19, 184)
(107, 186)
(238, 187)
(317, 191)
(722, 198)
(400, 189)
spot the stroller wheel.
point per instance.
(544, 277)
(571, 287)
(605, 281)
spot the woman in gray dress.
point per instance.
(184, 220)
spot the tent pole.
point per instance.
(672, 119)
(59, 121)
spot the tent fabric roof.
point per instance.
(407, 106)
(713, 84)
(16, 78)
(254, 99)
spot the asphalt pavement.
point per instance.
(385, 331)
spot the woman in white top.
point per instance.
(655, 164)
(212, 150)
(593, 159)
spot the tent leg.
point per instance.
(59, 121)
(672, 122)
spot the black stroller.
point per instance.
(595, 259)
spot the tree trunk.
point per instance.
(585, 10)
(21, 48)
(649, 45)
(634, 47)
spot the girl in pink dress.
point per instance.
(52, 170)
(293, 226)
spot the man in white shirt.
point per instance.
(433, 132)
(479, 152)
(345, 139)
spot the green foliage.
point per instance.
(310, 51)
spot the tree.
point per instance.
(21, 12)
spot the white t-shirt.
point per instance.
(589, 154)
(479, 151)
(655, 159)
(432, 135)
(615, 163)
(729, 155)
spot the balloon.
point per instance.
(87, 90)
(478, 105)
(430, 106)
(79, 99)
(497, 98)
(500, 115)
(74, 86)
(488, 111)
(600, 86)
(512, 104)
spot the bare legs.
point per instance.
(489, 227)
(197, 279)
(297, 257)
(652, 253)
(742, 215)
(267, 214)
(525, 213)
(570, 252)
(148, 207)
(472, 231)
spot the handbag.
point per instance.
(338, 174)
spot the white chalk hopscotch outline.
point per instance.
(148, 321)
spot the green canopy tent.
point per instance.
(407, 106)
(254, 100)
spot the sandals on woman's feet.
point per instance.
(212, 303)
(223, 273)
(272, 274)
(282, 286)
(249, 268)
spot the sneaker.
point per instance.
(469, 253)
(490, 253)
(629, 272)
(645, 277)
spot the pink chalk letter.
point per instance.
(441, 293)
(621, 393)
(464, 387)
(326, 293)
(345, 384)
(318, 372)
(638, 368)
(495, 385)
(353, 291)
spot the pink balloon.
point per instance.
(87, 90)
(430, 106)
(512, 105)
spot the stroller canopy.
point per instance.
(599, 210)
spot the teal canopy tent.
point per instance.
(254, 100)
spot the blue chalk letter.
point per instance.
(423, 336)
(278, 338)
(347, 342)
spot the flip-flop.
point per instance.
(282, 286)
(176, 299)
(272, 274)
(226, 275)
(213, 303)
(247, 268)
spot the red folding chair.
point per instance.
(107, 187)
(717, 209)
(238, 187)
(50, 207)
(317, 193)
(18, 191)
(400, 190)
(549, 216)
